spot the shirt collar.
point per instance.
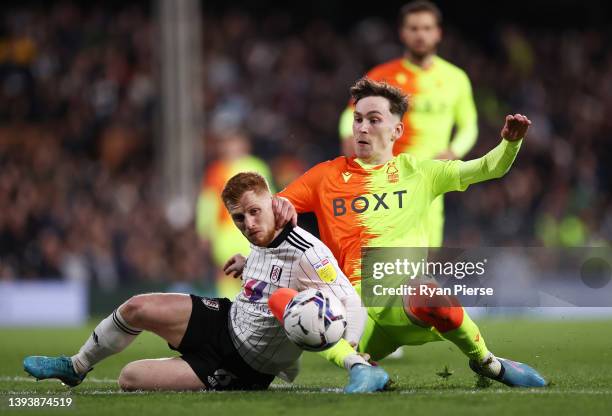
(281, 237)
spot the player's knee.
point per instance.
(129, 378)
(440, 311)
(443, 318)
(134, 311)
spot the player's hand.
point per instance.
(446, 155)
(235, 266)
(284, 211)
(515, 128)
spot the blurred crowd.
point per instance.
(78, 96)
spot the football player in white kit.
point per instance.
(226, 345)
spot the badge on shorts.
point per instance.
(275, 274)
(221, 378)
(211, 303)
(326, 271)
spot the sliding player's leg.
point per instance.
(389, 328)
(167, 315)
(159, 374)
(363, 378)
(208, 350)
(449, 318)
(375, 341)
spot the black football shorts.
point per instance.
(210, 352)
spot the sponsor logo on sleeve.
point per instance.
(326, 271)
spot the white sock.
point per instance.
(490, 366)
(111, 336)
(353, 359)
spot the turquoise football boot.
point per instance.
(366, 379)
(512, 373)
(42, 368)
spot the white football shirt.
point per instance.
(298, 260)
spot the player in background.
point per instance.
(379, 200)
(213, 222)
(440, 100)
(226, 345)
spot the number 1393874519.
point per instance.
(40, 401)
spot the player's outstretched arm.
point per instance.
(498, 161)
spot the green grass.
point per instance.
(576, 356)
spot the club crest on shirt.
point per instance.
(392, 173)
(326, 271)
(211, 303)
(275, 273)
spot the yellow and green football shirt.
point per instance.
(358, 205)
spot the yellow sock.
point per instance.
(468, 338)
(338, 353)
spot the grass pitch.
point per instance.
(433, 379)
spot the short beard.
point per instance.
(419, 56)
(268, 238)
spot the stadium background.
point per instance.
(88, 174)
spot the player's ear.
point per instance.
(398, 131)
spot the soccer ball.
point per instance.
(314, 321)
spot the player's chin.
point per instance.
(421, 51)
(254, 238)
(363, 151)
(260, 238)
